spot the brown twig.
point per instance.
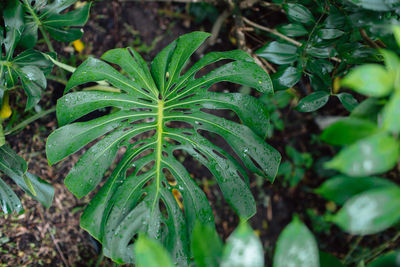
(276, 33)
(365, 36)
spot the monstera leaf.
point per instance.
(159, 114)
(15, 167)
(30, 66)
(47, 17)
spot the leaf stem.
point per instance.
(47, 39)
(30, 120)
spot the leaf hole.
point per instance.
(163, 209)
(186, 97)
(219, 154)
(169, 176)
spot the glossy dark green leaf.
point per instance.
(328, 260)
(29, 67)
(369, 79)
(348, 101)
(313, 101)
(348, 131)
(367, 109)
(293, 30)
(391, 114)
(150, 253)
(64, 27)
(9, 200)
(14, 166)
(286, 78)
(376, 5)
(279, 53)
(10, 163)
(158, 113)
(206, 246)
(370, 212)
(299, 13)
(341, 188)
(321, 52)
(328, 34)
(243, 248)
(390, 259)
(375, 154)
(296, 246)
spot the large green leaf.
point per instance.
(158, 113)
(150, 253)
(377, 5)
(375, 154)
(206, 246)
(296, 246)
(15, 167)
(243, 248)
(279, 53)
(369, 79)
(64, 27)
(341, 188)
(29, 66)
(348, 130)
(370, 212)
(389, 259)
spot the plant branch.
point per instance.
(276, 33)
(31, 119)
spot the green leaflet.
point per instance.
(296, 246)
(30, 66)
(370, 212)
(63, 27)
(160, 111)
(15, 167)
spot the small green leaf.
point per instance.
(299, 13)
(370, 80)
(150, 253)
(348, 101)
(206, 246)
(396, 32)
(348, 131)
(313, 101)
(328, 260)
(386, 260)
(370, 212)
(293, 30)
(279, 53)
(367, 109)
(63, 27)
(296, 246)
(328, 34)
(243, 248)
(391, 114)
(8, 199)
(376, 5)
(375, 154)
(341, 188)
(286, 78)
(321, 52)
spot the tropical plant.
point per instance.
(23, 66)
(371, 147)
(158, 113)
(323, 40)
